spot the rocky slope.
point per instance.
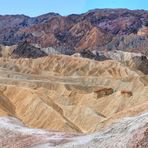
(27, 50)
(110, 29)
(131, 132)
(133, 60)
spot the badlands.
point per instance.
(73, 101)
(77, 81)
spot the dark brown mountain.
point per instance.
(99, 29)
(26, 50)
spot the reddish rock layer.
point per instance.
(97, 29)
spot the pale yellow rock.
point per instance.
(70, 94)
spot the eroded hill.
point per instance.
(70, 94)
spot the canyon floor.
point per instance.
(67, 101)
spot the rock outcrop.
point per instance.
(26, 50)
(103, 92)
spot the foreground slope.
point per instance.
(131, 132)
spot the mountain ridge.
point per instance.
(56, 31)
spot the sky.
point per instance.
(65, 7)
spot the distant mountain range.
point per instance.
(99, 29)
